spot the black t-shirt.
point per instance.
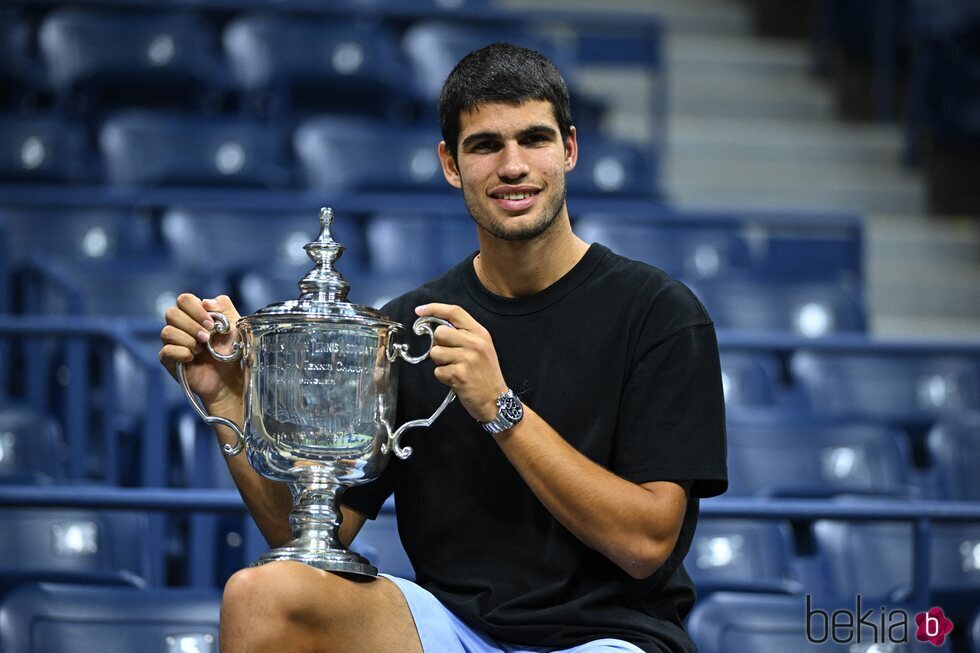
(622, 361)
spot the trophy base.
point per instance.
(340, 561)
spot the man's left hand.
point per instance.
(466, 360)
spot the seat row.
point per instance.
(329, 152)
(90, 59)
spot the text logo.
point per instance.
(879, 626)
(932, 626)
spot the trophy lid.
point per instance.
(323, 291)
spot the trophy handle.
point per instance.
(422, 326)
(221, 325)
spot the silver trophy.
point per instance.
(320, 389)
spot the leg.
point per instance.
(289, 606)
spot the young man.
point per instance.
(549, 509)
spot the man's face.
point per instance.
(511, 164)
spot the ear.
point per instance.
(449, 169)
(571, 150)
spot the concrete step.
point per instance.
(798, 196)
(691, 52)
(687, 16)
(743, 139)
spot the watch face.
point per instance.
(511, 408)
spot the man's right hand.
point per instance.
(185, 340)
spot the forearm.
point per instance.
(635, 527)
(268, 501)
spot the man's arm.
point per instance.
(634, 525)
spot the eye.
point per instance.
(485, 146)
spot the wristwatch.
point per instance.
(510, 411)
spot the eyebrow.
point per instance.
(533, 129)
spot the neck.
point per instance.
(518, 268)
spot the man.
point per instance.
(551, 506)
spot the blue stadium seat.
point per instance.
(101, 58)
(422, 245)
(741, 555)
(43, 148)
(74, 545)
(975, 634)
(332, 64)
(954, 446)
(804, 309)
(875, 560)
(234, 242)
(750, 378)
(810, 459)
(77, 235)
(730, 622)
(153, 148)
(611, 167)
(32, 446)
(59, 618)
(339, 153)
(435, 46)
(687, 250)
(21, 77)
(908, 385)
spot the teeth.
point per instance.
(514, 196)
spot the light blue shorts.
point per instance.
(442, 632)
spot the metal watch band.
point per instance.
(510, 411)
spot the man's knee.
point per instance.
(288, 592)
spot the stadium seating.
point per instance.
(60, 618)
(21, 78)
(810, 310)
(805, 458)
(954, 447)
(73, 545)
(750, 378)
(421, 245)
(875, 560)
(339, 153)
(975, 633)
(742, 555)
(231, 243)
(32, 446)
(325, 64)
(910, 385)
(100, 58)
(153, 148)
(43, 148)
(607, 167)
(680, 248)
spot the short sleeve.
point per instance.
(672, 417)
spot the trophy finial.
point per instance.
(323, 280)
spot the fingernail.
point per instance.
(419, 310)
(202, 336)
(208, 324)
(208, 302)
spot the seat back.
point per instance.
(902, 385)
(32, 446)
(338, 153)
(741, 554)
(59, 618)
(43, 148)
(808, 459)
(149, 148)
(421, 245)
(954, 446)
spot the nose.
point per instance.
(513, 163)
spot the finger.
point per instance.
(171, 335)
(455, 315)
(172, 354)
(443, 356)
(180, 319)
(222, 304)
(194, 308)
(450, 337)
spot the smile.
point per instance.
(512, 196)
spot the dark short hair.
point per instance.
(501, 72)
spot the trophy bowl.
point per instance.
(321, 382)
